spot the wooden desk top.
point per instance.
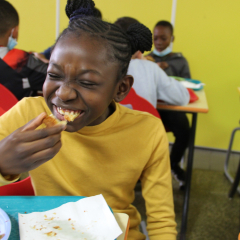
(123, 222)
(200, 106)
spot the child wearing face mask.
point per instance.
(107, 147)
(21, 72)
(150, 81)
(174, 64)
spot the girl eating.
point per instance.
(104, 148)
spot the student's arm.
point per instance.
(25, 148)
(47, 52)
(45, 55)
(170, 90)
(157, 190)
(41, 57)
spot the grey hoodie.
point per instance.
(178, 65)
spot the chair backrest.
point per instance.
(139, 103)
(7, 99)
(2, 111)
(21, 188)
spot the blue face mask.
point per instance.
(163, 53)
(12, 42)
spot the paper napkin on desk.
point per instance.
(87, 219)
(191, 85)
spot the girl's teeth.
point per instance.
(67, 113)
(61, 111)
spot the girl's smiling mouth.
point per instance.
(67, 114)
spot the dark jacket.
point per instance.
(178, 65)
(22, 73)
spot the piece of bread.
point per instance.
(149, 58)
(51, 121)
(71, 117)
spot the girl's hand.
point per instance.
(27, 148)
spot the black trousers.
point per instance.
(178, 124)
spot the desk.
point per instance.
(13, 205)
(200, 106)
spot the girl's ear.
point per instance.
(124, 87)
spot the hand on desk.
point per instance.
(27, 148)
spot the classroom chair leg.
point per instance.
(228, 176)
(235, 183)
(144, 229)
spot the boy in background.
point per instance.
(21, 72)
(174, 64)
(150, 81)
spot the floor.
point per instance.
(212, 215)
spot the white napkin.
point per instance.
(87, 219)
(191, 85)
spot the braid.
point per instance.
(73, 5)
(140, 37)
(121, 45)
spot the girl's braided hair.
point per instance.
(122, 44)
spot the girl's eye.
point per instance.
(53, 76)
(86, 84)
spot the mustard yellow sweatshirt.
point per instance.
(108, 159)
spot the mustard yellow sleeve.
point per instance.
(157, 190)
(13, 119)
(20, 114)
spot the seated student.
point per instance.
(45, 55)
(174, 64)
(150, 81)
(107, 147)
(21, 72)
